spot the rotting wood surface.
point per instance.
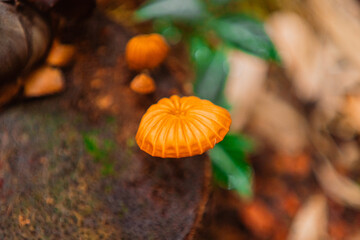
(69, 165)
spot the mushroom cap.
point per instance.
(43, 81)
(182, 127)
(143, 84)
(146, 51)
(60, 55)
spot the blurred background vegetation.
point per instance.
(288, 71)
(209, 30)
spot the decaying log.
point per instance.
(70, 167)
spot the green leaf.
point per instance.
(220, 2)
(247, 34)
(201, 54)
(230, 168)
(211, 81)
(237, 144)
(191, 10)
(166, 28)
(211, 71)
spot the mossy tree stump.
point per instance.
(69, 165)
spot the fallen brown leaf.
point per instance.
(351, 111)
(340, 19)
(258, 219)
(338, 187)
(300, 51)
(244, 85)
(279, 124)
(310, 222)
(296, 165)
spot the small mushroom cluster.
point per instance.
(48, 78)
(142, 53)
(175, 127)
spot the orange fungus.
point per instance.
(146, 51)
(181, 127)
(60, 55)
(143, 84)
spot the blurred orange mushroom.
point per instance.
(60, 55)
(182, 127)
(143, 84)
(146, 51)
(44, 81)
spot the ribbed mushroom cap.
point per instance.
(181, 127)
(146, 51)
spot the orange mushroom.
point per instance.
(182, 127)
(44, 81)
(142, 84)
(146, 51)
(60, 55)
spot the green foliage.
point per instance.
(189, 10)
(211, 28)
(247, 34)
(230, 168)
(234, 30)
(200, 53)
(219, 2)
(211, 70)
(100, 150)
(168, 29)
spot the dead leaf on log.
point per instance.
(310, 222)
